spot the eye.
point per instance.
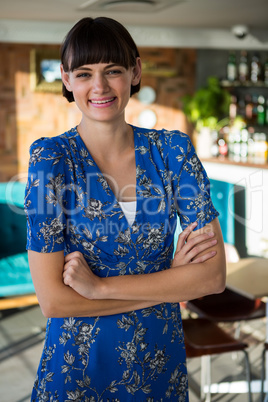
(114, 72)
(83, 75)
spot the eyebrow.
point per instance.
(106, 68)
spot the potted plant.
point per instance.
(207, 110)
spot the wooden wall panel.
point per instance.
(26, 115)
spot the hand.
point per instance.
(78, 275)
(188, 252)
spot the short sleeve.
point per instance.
(44, 204)
(191, 186)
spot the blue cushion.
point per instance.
(13, 232)
(229, 201)
(222, 195)
(15, 276)
(12, 193)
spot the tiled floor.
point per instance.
(18, 364)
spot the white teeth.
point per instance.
(104, 101)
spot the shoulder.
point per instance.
(51, 149)
(173, 146)
(165, 138)
(53, 143)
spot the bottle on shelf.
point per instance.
(266, 72)
(223, 141)
(255, 71)
(231, 139)
(260, 148)
(261, 111)
(215, 145)
(244, 145)
(231, 67)
(237, 145)
(249, 108)
(266, 113)
(241, 111)
(233, 107)
(254, 108)
(243, 70)
(251, 145)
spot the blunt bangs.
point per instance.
(99, 40)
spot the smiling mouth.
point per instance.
(101, 102)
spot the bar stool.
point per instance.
(228, 306)
(204, 338)
(265, 349)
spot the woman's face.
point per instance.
(101, 91)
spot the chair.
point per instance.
(265, 349)
(204, 338)
(16, 287)
(13, 220)
(228, 306)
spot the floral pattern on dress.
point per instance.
(136, 356)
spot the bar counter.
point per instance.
(254, 180)
(222, 160)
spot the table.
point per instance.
(249, 277)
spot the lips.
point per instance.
(101, 101)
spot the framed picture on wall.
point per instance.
(45, 70)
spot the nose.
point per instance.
(100, 83)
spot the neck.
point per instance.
(106, 140)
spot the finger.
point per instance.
(204, 257)
(200, 248)
(184, 235)
(72, 265)
(67, 265)
(199, 239)
(71, 256)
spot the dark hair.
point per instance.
(98, 40)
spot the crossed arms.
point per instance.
(66, 286)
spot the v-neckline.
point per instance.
(116, 202)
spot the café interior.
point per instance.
(205, 73)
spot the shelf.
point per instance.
(226, 161)
(258, 129)
(239, 84)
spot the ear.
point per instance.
(65, 78)
(136, 72)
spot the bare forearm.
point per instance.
(197, 269)
(173, 285)
(59, 300)
(65, 302)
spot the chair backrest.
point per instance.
(229, 201)
(12, 219)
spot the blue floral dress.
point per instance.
(136, 356)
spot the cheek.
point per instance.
(79, 90)
(126, 87)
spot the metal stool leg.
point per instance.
(248, 375)
(205, 378)
(263, 373)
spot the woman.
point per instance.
(102, 202)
